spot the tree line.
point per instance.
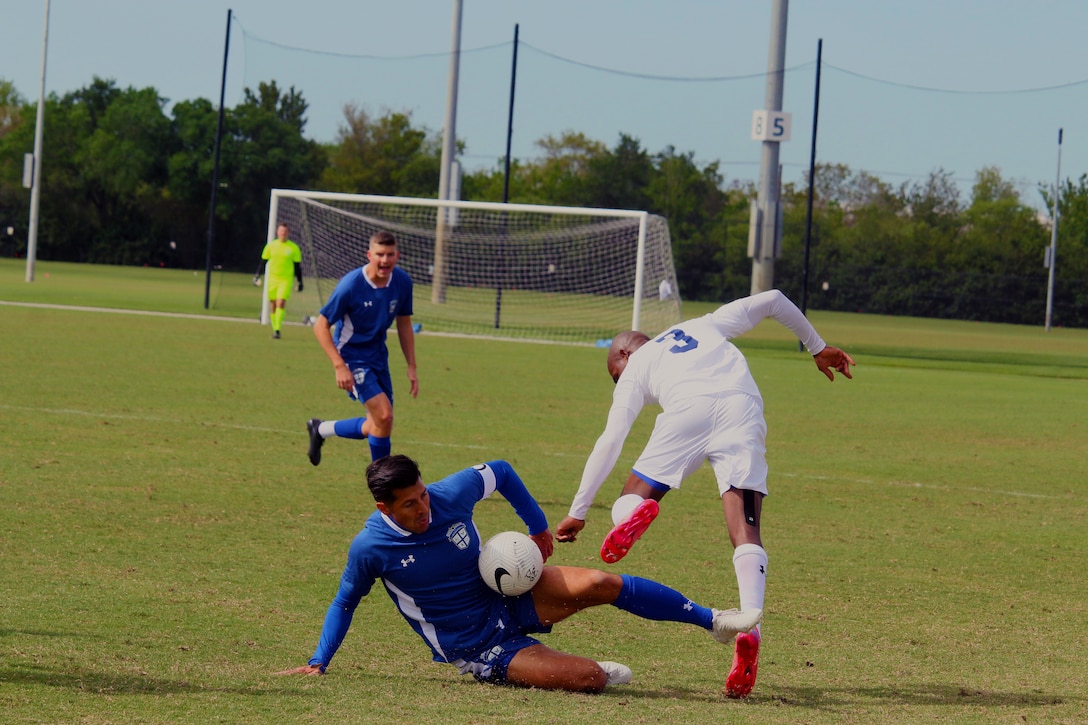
(123, 179)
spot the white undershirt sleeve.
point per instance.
(740, 316)
(603, 458)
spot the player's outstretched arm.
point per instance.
(323, 333)
(832, 358)
(304, 670)
(569, 528)
(407, 338)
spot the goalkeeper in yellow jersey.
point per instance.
(283, 259)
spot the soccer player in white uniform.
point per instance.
(711, 411)
(423, 545)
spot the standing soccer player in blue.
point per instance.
(423, 546)
(351, 330)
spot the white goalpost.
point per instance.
(518, 271)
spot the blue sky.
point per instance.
(907, 87)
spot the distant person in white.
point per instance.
(711, 411)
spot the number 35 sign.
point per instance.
(770, 126)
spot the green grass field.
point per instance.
(167, 546)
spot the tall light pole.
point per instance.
(1052, 250)
(449, 150)
(215, 182)
(36, 182)
(770, 126)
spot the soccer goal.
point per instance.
(520, 271)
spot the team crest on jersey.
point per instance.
(458, 535)
(493, 654)
(392, 306)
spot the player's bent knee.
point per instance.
(563, 590)
(607, 580)
(599, 587)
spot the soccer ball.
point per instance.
(511, 563)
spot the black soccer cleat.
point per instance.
(316, 441)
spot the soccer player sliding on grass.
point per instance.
(423, 546)
(711, 411)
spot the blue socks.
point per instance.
(350, 428)
(353, 428)
(379, 447)
(650, 600)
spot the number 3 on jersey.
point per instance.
(690, 343)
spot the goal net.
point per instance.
(546, 273)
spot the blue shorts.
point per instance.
(369, 382)
(490, 664)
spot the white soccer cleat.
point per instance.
(617, 674)
(730, 622)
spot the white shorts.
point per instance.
(727, 430)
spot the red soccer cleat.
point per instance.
(624, 534)
(742, 678)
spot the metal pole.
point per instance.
(270, 234)
(510, 120)
(767, 201)
(811, 183)
(449, 150)
(506, 180)
(36, 185)
(215, 170)
(1052, 258)
(811, 175)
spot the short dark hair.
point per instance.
(390, 473)
(384, 238)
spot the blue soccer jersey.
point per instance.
(433, 577)
(362, 313)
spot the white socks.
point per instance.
(624, 505)
(750, 563)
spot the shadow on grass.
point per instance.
(114, 683)
(33, 633)
(935, 694)
(837, 699)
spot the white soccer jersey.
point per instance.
(692, 359)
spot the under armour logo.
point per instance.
(368, 303)
(689, 605)
(762, 570)
(410, 560)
